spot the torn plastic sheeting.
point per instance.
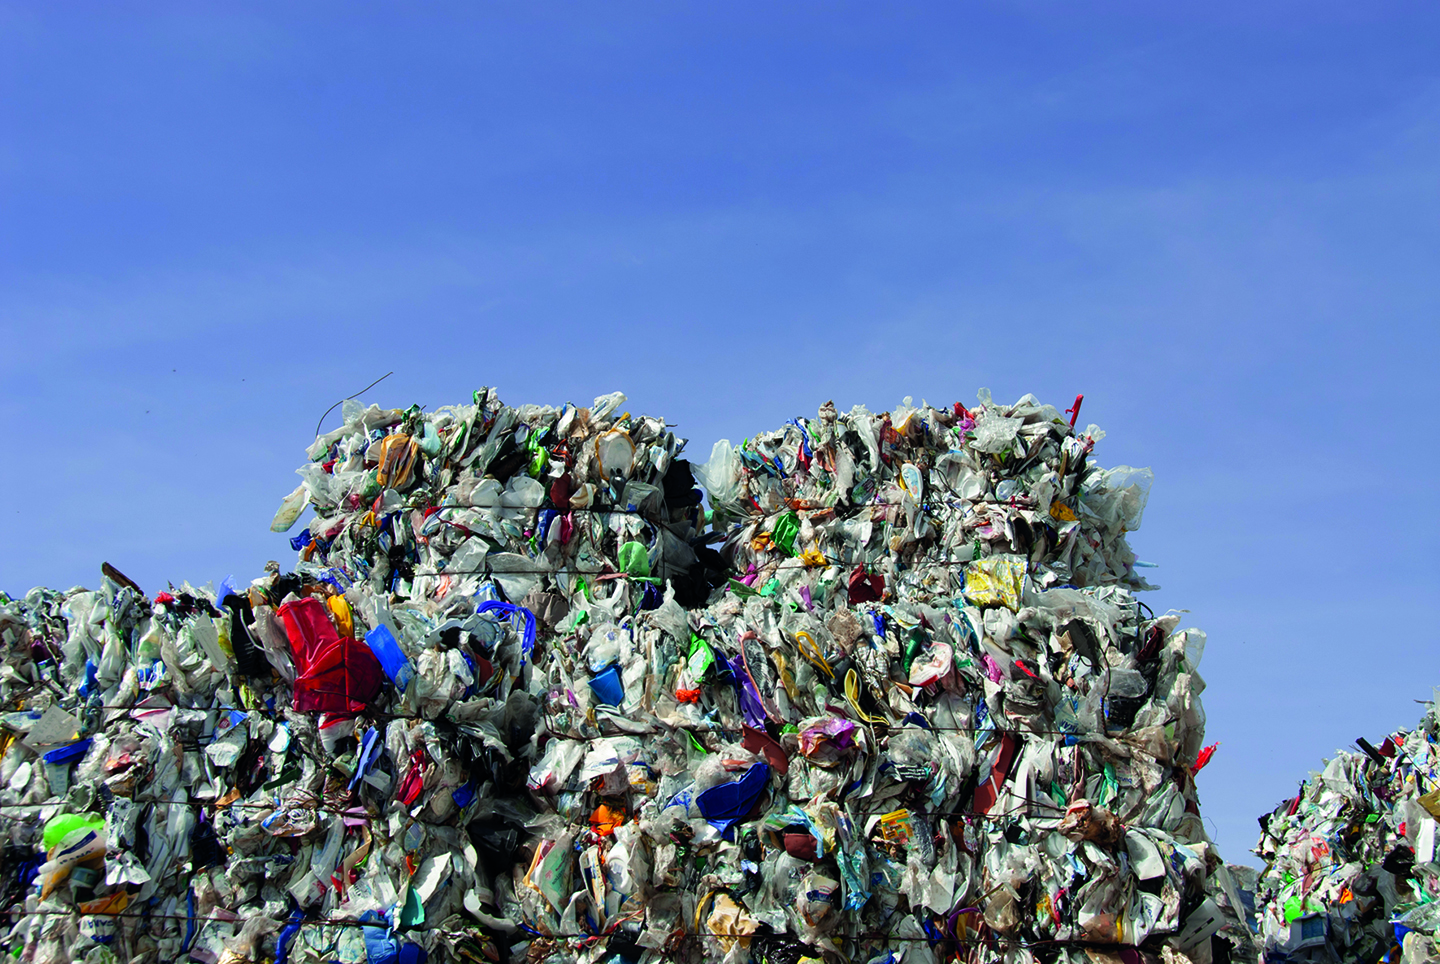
(995, 581)
(336, 674)
(758, 741)
(726, 804)
(391, 657)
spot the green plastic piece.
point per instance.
(701, 657)
(634, 559)
(914, 643)
(412, 914)
(1109, 786)
(63, 825)
(372, 485)
(787, 527)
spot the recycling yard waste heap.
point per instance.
(1351, 871)
(890, 697)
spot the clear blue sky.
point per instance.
(1218, 221)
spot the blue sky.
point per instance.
(1220, 222)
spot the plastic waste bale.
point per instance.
(871, 686)
(1350, 860)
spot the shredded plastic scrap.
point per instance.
(881, 692)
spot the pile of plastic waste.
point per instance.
(1351, 871)
(881, 692)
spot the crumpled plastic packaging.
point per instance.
(882, 691)
(1351, 870)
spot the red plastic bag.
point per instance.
(1203, 758)
(414, 780)
(865, 587)
(335, 674)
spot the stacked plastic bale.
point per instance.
(835, 673)
(269, 770)
(183, 799)
(1350, 861)
(991, 744)
(508, 702)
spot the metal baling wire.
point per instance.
(600, 572)
(183, 745)
(367, 818)
(348, 922)
(534, 934)
(375, 711)
(197, 742)
(967, 814)
(841, 511)
(697, 933)
(571, 570)
(347, 398)
(837, 509)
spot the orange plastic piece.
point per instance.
(605, 819)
